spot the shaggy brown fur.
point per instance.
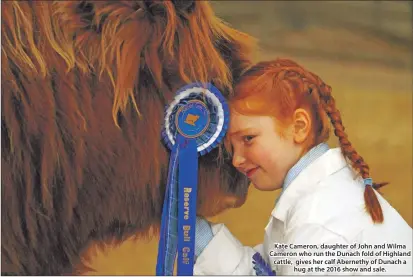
(84, 85)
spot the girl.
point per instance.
(277, 136)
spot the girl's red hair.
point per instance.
(277, 88)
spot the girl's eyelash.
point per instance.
(247, 138)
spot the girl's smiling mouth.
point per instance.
(250, 172)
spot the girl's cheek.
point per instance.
(257, 154)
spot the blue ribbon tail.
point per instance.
(188, 184)
(167, 242)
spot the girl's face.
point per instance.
(260, 152)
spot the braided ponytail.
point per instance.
(372, 203)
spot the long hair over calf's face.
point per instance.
(84, 86)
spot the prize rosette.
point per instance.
(195, 123)
(198, 112)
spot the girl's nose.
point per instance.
(237, 160)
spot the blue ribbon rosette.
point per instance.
(195, 123)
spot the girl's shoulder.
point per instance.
(337, 199)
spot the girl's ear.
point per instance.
(302, 125)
